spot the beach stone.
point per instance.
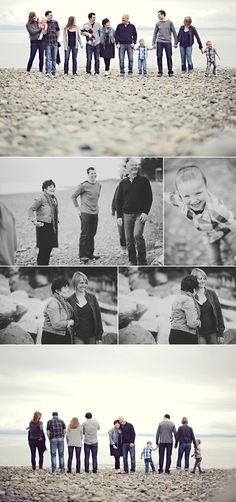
(135, 334)
(10, 311)
(230, 336)
(129, 310)
(14, 334)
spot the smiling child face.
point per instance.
(193, 193)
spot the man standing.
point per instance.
(56, 430)
(51, 47)
(126, 38)
(134, 200)
(89, 192)
(91, 31)
(90, 428)
(162, 40)
(164, 440)
(128, 439)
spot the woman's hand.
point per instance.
(71, 323)
(115, 447)
(39, 224)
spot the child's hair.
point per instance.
(208, 42)
(187, 173)
(142, 40)
(149, 442)
(198, 441)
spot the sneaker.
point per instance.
(159, 74)
(84, 260)
(171, 74)
(95, 257)
(122, 74)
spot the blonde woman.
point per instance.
(87, 316)
(36, 439)
(186, 35)
(71, 39)
(74, 436)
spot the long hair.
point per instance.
(31, 17)
(37, 416)
(74, 423)
(71, 22)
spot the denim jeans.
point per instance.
(121, 232)
(130, 52)
(36, 45)
(36, 444)
(93, 448)
(70, 457)
(74, 60)
(134, 236)
(89, 223)
(149, 461)
(142, 66)
(131, 450)
(57, 444)
(93, 50)
(162, 448)
(51, 58)
(168, 50)
(184, 448)
(186, 56)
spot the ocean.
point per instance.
(14, 43)
(217, 452)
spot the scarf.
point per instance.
(52, 201)
(64, 304)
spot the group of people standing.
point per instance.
(101, 41)
(122, 442)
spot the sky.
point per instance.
(140, 383)
(205, 13)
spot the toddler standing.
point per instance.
(198, 457)
(211, 54)
(142, 57)
(147, 455)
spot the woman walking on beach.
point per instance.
(88, 323)
(185, 314)
(58, 315)
(186, 35)
(44, 215)
(212, 322)
(71, 39)
(36, 439)
(115, 444)
(74, 436)
(184, 437)
(36, 32)
(107, 47)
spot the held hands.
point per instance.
(143, 217)
(120, 221)
(175, 46)
(115, 447)
(132, 45)
(38, 223)
(131, 445)
(71, 323)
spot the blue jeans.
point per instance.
(93, 448)
(142, 66)
(168, 50)
(125, 449)
(70, 457)
(57, 444)
(36, 45)
(51, 58)
(130, 52)
(148, 461)
(74, 60)
(184, 448)
(93, 50)
(134, 236)
(186, 56)
(162, 448)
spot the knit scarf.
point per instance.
(64, 304)
(52, 201)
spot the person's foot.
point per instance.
(167, 472)
(160, 471)
(95, 257)
(192, 472)
(171, 74)
(132, 264)
(117, 471)
(159, 74)
(84, 260)
(68, 471)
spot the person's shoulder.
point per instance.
(210, 292)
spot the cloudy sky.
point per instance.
(140, 383)
(205, 13)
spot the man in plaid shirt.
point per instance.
(56, 430)
(51, 46)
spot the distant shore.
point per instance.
(187, 114)
(20, 484)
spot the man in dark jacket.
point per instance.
(184, 437)
(126, 38)
(127, 441)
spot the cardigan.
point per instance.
(192, 33)
(42, 209)
(185, 313)
(93, 303)
(77, 38)
(55, 318)
(214, 301)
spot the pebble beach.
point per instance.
(20, 484)
(187, 114)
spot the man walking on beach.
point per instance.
(90, 427)
(56, 430)
(166, 431)
(89, 192)
(126, 38)
(163, 31)
(91, 31)
(134, 200)
(128, 446)
(51, 47)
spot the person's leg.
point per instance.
(32, 446)
(139, 241)
(41, 54)
(214, 68)
(140, 66)
(161, 451)
(145, 67)
(189, 51)
(125, 449)
(48, 59)
(33, 50)
(129, 222)
(180, 455)
(41, 452)
(60, 446)
(66, 61)
(122, 58)
(168, 51)
(152, 465)
(53, 452)
(74, 60)
(202, 340)
(208, 66)
(94, 449)
(146, 461)
(159, 57)
(187, 451)
(211, 339)
(96, 52)
(84, 235)
(70, 456)
(183, 58)
(194, 467)
(117, 460)
(77, 453)
(86, 457)
(92, 229)
(121, 232)
(89, 53)
(214, 255)
(54, 49)
(130, 53)
(43, 257)
(169, 447)
(199, 466)
(107, 64)
(132, 458)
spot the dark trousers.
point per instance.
(197, 465)
(131, 450)
(93, 448)
(74, 51)
(167, 47)
(149, 461)
(70, 457)
(43, 256)
(162, 448)
(34, 445)
(89, 223)
(107, 62)
(178, 337)
(36, 45)
(93, 50)
(134, 229)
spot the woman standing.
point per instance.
(184, 437)
(185, 314)
(36, 43)
(36, 439)
(44, 215)
(115, 444)
(212, 322)
(88, 323)
(58, 315)
(71, 38)
(74, 438)
(186, 35)
(107, 46)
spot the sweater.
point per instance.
(55, 318)
(184, 435)
(89, 195)
(96, 27)
(134, 197)
(42, 209)
(163, 31)
(90, 428)
(74, 436)
(192, 33)
(165, 432)
(77, 38)
(33, 30)
(185, 313)
(125, 34)
(127, 433)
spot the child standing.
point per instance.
(142, 57)
(147, 455)
(198, 457)
(211, 54)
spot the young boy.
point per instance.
(198, 457)
(211, 54)
(147, 454)
(142, 57)
(207, 213)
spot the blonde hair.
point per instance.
(74, 423)
(187, 173)
(37, 416)
(197, 271)
(76, 279)
(142, 40)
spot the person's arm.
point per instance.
(221, 324)
(174, 432)
(193, 438)
(113, 204)
(190, 310)
(148, 197)
(157, 435)
(135, 36)
(154, 38)
(217, 54)
(117, 32)
(98, 426)
(173, 30)
(119, 203)
(195, 33)
(79, 190)
(177, 437)
(99, 320)
(179, 34)
(54, 313)
(79, 38)
(57, 30)
(132, 435)
(65, 38)
(33, 29)
(36, 205)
